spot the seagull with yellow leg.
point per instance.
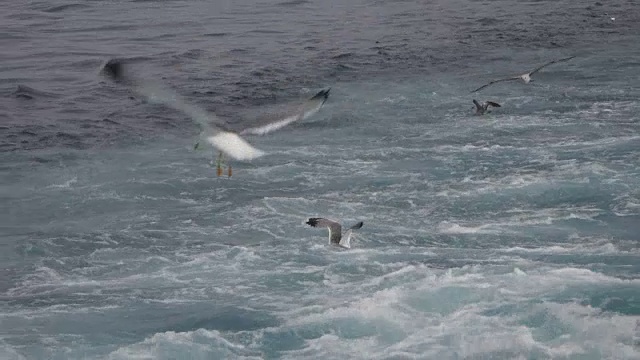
(271, 120)
(215, 131)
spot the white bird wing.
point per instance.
(226, 141)
(272, 125)
(272, 122)
(345, 242)
(496, 81)
(549, 63)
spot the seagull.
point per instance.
(335, 231)
(272, 121)
(482, 108)
(215, 131)
(526, 77)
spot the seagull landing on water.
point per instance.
(481, 109)
(215, 131)
(526, 77)
(335, 231)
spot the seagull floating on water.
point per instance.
(481, 109)
(215, 131)
(526, 77)
(335, 231)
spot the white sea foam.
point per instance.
(9, 353)
(493, 237)
(604, 248)
(426, 324)
(199, 344)
(67, 184)
(446, 227)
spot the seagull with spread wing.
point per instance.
(215, 131)
(481, 109)
(270, 121)
(526, 77)
(335, 231)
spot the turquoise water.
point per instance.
(508, 236)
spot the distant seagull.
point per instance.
(215, 131)
(482, 108)
(335, 231)
(524, 77)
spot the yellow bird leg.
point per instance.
(219, 162)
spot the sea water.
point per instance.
(512, 235)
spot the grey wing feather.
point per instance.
(226, 141)
(549, 63)
(335, 229)
(118, 71)
(478, 105)
(496, 81)
(273, 122)
(494, 104)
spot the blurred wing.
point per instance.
(271, 125)
(298, 112)
(496, 81)
(549, 63)
(494, 104)
(335, 229)
(478, 106)
(225, 141)
(314, 104)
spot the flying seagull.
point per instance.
(285, 115)
(335, 231)
(214, 131)
(526, 77)
(481, 109)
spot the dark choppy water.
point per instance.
(508, 236)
